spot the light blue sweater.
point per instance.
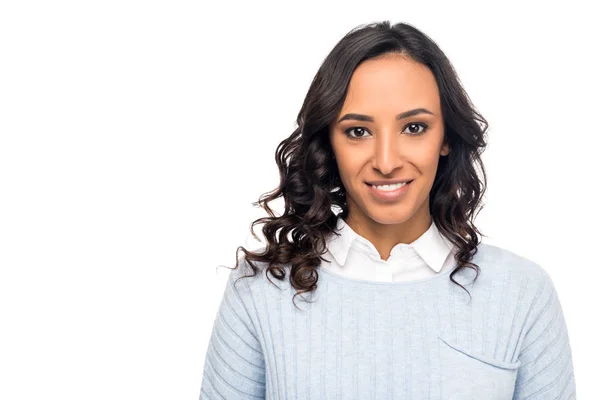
(421, 339)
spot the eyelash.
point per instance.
(425, 128)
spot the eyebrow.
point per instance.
(402, 115)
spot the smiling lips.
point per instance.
(389, 182)
(389, 192)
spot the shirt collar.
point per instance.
(431, 246)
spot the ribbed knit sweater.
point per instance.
(421, 339)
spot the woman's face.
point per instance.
(373, 141)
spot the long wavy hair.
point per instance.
(310, 183)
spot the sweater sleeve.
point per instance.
(546, 370)
(234, 367)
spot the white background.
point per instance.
(136, 134)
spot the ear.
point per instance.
(445, 149)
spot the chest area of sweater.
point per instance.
(490, 322)
(410, 345)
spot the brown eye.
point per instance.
(359, 132)
(414, 128)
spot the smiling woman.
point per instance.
(388, 136)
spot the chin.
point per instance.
(388, 217)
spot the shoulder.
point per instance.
(499, 264)
(496, 257)
(511, 283)
(251, 275)
(250, 278)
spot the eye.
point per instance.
(416, 124)
(359, 132)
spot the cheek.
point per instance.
(346, 174)
(347, 167)
(428, 159)
(349, 172)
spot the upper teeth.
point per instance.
(390, 187)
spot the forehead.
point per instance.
(391, 83)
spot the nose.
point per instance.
(387, 155)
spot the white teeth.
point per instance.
(389, 187)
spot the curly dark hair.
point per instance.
(309, 179)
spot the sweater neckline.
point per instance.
(363, 282)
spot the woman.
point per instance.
(388, 137)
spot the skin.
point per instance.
(384, 149)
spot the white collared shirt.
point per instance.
(355, 256)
